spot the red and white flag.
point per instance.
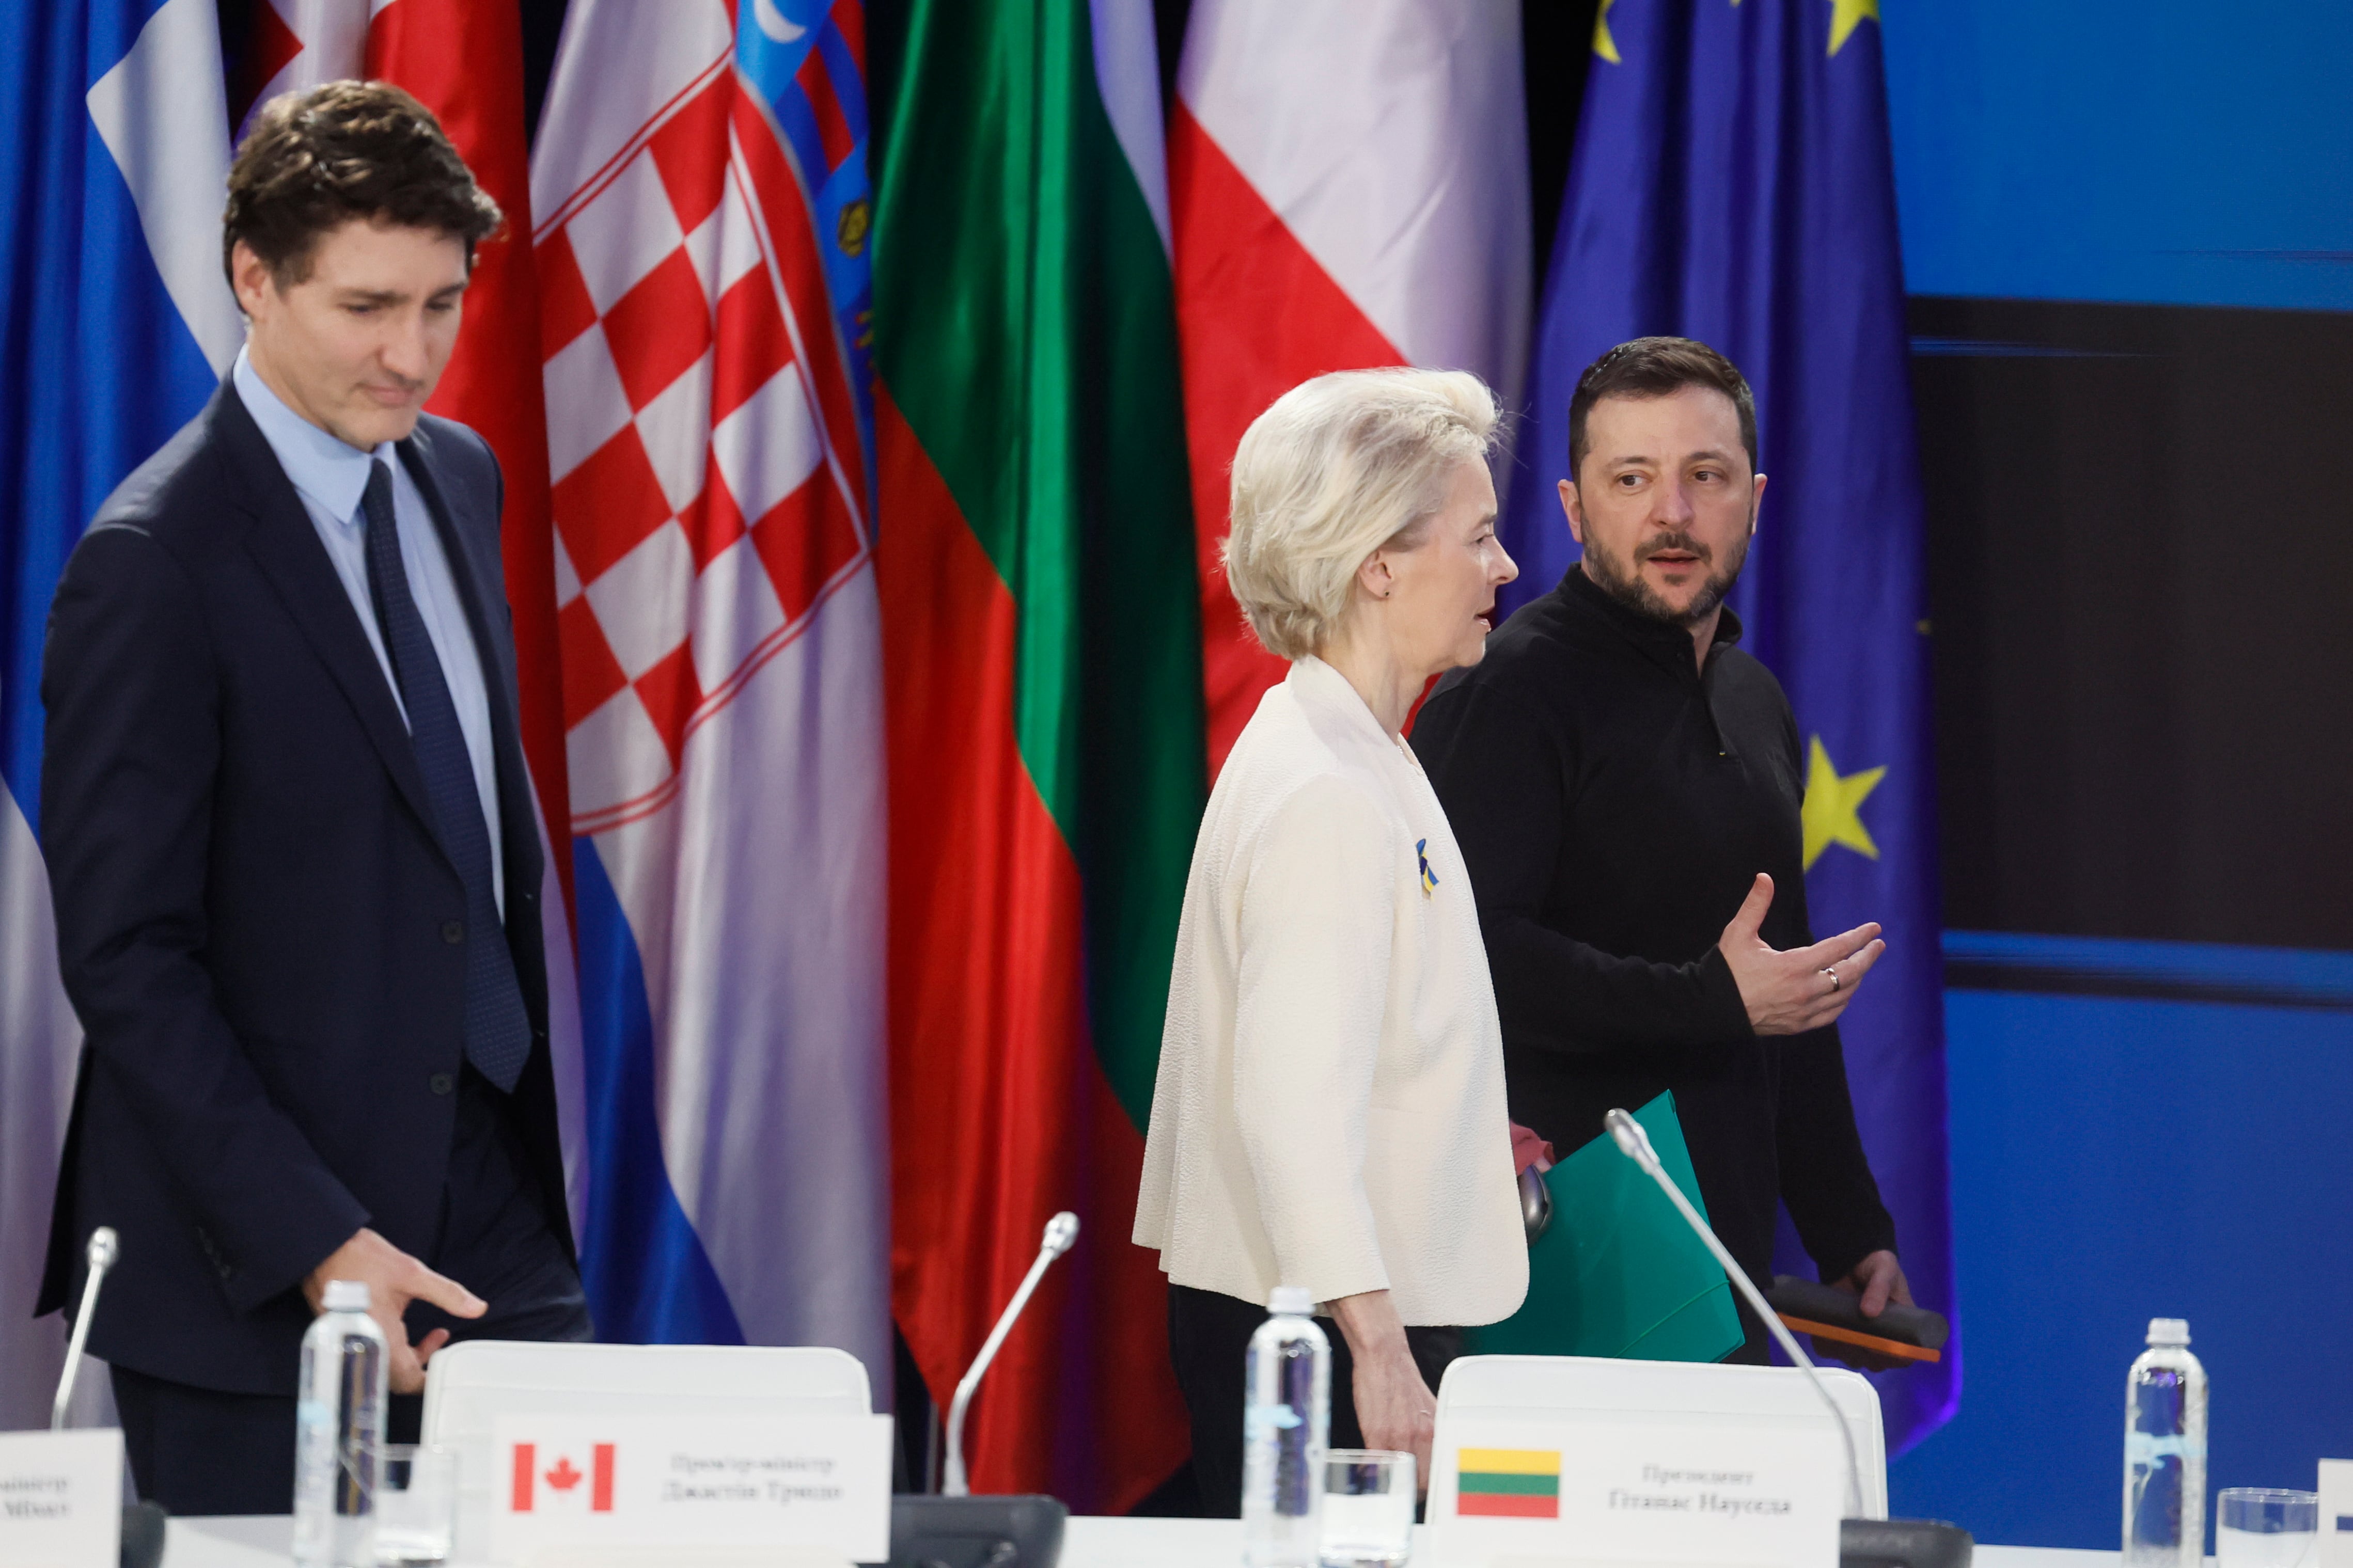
(295, 45)
(540, 1476)
(1349, 181)
(700, 186)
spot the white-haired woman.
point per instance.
(1330, 1107)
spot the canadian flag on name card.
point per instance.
(697, 1478)
(547, 1476)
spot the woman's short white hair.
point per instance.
(1339, 467)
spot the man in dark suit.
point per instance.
(292, 842)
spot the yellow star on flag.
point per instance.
(1603, 44)
(1831, 805)
(1846, 15)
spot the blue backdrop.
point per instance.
(2114, 1156)
(2117, 1159)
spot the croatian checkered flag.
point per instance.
(702, 261)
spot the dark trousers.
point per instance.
(1208, 1341)
(204, 1451)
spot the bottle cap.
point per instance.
(1291, 1301)
(347, 1296)
(2168, 1330)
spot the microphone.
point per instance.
(100, 1257)
(140, 1543)
(1060, 1231)
(1862, 1543)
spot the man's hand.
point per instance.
(1878, 1279)
(393, 1279)
(1804, 988)
(1394, 1406)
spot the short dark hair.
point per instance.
(1657, 367)
(314, 160)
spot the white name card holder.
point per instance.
(1571, 1462)
(61, 1498)
(471, 1387)
(2336, 1513)
(810, 1485)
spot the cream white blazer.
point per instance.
(1330, 1107)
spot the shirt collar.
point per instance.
(331, 473)
(1645, 631)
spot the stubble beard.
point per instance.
(1624, 582)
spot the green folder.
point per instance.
(1618, 1272)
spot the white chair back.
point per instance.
(469, 1386)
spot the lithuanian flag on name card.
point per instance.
(1507, 1483)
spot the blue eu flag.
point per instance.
(1731, 182)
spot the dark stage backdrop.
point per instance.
(2141, 527)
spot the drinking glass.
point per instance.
(415, 1497)
(1367, 1509)
(2260, 1527)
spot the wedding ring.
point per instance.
(1835, 982)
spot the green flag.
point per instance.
(1042, 647)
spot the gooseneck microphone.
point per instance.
(1863, 1542)
(140, 1543)
(100, 1257)
(1060, 1231)
(1635, 1144)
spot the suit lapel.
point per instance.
(485, 619)
(285, 545)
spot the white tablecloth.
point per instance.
(1091, 1543)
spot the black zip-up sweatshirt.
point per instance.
(1614, 801)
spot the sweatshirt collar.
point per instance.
(1659, 638)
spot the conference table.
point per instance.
(1092, 1542)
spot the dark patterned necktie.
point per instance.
(498, 1034)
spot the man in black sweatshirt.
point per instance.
(1625, 784)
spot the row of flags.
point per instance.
(865, 422)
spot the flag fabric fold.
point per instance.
(115, 325)
(699, 193)
(1731, 182)
(1042, 665)
(1349, 181)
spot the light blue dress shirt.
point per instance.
(331, 476)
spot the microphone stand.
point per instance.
(101, 1256)
(139, 1542)
(956, 1526)
(1880, 1543)
(1060, 1231)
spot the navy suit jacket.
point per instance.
(257, 924)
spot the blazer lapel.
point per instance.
(285, 547)
(487, 618)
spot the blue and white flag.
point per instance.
(1731, 182)
(115, 325)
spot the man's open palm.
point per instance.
(1804, 988)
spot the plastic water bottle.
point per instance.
(339, 1433)
(2165, 1453)
(1286, 1428)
